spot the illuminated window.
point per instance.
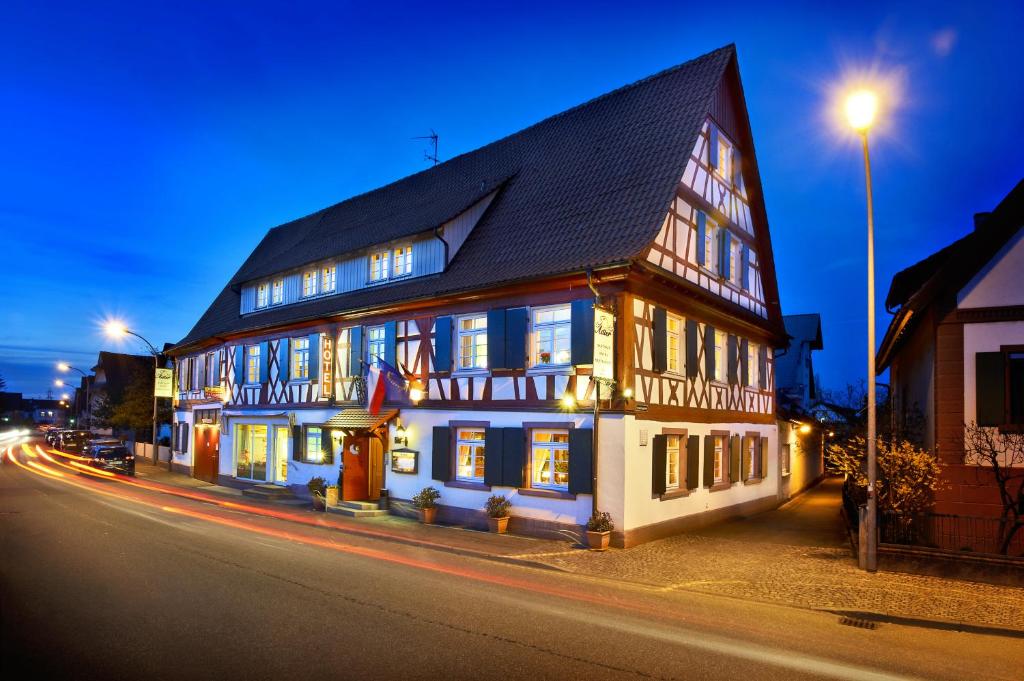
(252, 364)
(375, 345)
(753, 366)
(719, 454)
(721, 342)
(309, 283)
(379, 266)
(277, 292)
(784, 462)
(313, 453)
(344, 348)
(262, 295)
(735, 261)
(549, 459)
(674, 344)
(212, 368)
(328, 278)
(403, 261)
(711, 243)
(552, 327)
(724, 158)
(469, 448)
(754, 465)
(251, 451)
(472, 332)
(672, 443)
(300, 359)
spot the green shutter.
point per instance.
(709, 461)
(990, 388)
(744, 365)
(314, 356)
(762, 366)
(693, 462)
(692, 370)
(734, 458)
(659, 346)
(659, 464)
(581, 461)
(513, 456)
(493, 441)
(441, 454)
(732, 356)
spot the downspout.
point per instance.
(437, 233)
(597, 411)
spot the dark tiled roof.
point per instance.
(359, 419)
(585, 188)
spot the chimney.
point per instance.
(979, 220)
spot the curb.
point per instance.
(944, 625)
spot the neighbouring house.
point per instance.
(476, 280)
(955, 348)
(113, 374)
(801, 434)
(16, 408)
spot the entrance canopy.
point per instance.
(357, 419)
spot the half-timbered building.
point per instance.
(477, 279)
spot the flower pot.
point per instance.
(598, 541)
(499, 525)
(319, 503)
(332, 496)
(427, 515)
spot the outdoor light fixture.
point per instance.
(568, 401)
(805, 428)
(115, 328)
(415, 394)
(59, 383)
(63, 366)
(627, 393)
(400, 436)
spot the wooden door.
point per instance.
(205, 459)
(376, 477)
(355, 456)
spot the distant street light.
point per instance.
(861, 110)
(59, 383)
(117, 329)
(65, 367)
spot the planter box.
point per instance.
(598, 541)
(427, 515)
(498, 525)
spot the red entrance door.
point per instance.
(355, 456)
(205, 459)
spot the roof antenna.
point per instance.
(433, 137)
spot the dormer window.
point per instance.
(277, 292)
(379, 266)
(724, 167)
(328, 278)
(262, 295)
(403, 261)
(309, 283)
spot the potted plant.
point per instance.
(318, 489)
(426, 501)
(497, 508)
(599, 531)
(333, 492)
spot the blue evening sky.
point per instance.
(145, 147)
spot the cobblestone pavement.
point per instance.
(727, 561)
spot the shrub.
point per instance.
(497, 506)
(426, 498)
(600, 522)
(907, 475)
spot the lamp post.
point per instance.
(861, 107)
(64, 366)
(116, 329)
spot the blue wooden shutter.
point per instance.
(184, 438)
(745, 268)
(659, 464)
(443, 344)
(496, 339)
(732, 357)
(692, 462)
(297, 443)
(513, 456)
(441, 454)
(517, 324)
(692, 370)
(284, 360)
(737, 175)
(725, 253)
(493, 447)
(702, 231)
(264, 361)
(355, 351)
(239, 364)
(709, 352)
(744, 366)
(659, 347)
(581, 343)
(990, 388)
(713, 148)
(390, 342)
(314, 356)
(762, 367)
(581, 461)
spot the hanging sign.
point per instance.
(326, 366)
(604, 343)
(163, 385)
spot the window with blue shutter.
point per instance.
(284, 359)
(390, 343)
(702, 232)
(732, 354)
(496, 339)
(709, 352)
(513, 456)
(692, 368)
(659, 347)
(744, 365)
(263, 360)
(724, 253)
(517, 326)
(713, 147)
(581, 461)
(355, 351)
(314, 356)
(494, 439)
(443, 344)
(762, 367)
(239, 376)
(581, 334)
(745, 271)
(441, 454)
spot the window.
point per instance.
(549, 459)
(262, 294)
(672, 462)
(379, 266)
(403, 261)
(300, 359)
(251, 451)
(375, 345)
(1015, 387)
(753, 366)
(344, 348)
(328, 278)
(313, 453)
(674, 344)
(724, 158)
(721, 342)
(719, 464)
(252, 364)
(309, 283)
(469, 447)
(472, 332)
(735, 260)
(711, 245)
(212, 368)
(277, 292)
(784, 463)
(551, 334)
(754, 461)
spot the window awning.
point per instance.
(359, 419)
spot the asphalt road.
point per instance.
(100, 580)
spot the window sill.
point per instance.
(545, 493)
(674, 494)
(753, 481)
(466, 484)
(467, 373)
(719, 486)
(548, 369)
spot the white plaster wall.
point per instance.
(805, 459)
(999, 282)
(183, 417)
(642, 508)
(984, 338)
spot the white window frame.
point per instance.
(277, 292)
(753, 458)
(784, 462)
(309, 283)
(721, 356)
(299, 359)
(673, 444)
(306, 432)
(537, 328)
(380, 266)
(342, 353)
(262, 295)
(252, 364)
(712, 243)
(718, 447)
(328, 278)
(401, 261)
(552, 457)
(213, 368)
(474, 333)
(724, 167)
(376, 345)
(735, 260)
(476, 451)
(679, 335)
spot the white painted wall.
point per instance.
(984, 338)
(999, 282)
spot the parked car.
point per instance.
(74, 441)
(52, 436)
(109, 455)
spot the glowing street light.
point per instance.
(116, 329)
(861, 108)
(65, 367)
(59, 383)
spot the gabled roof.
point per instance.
(120, 369)
(948, 270)
(801, 328)
(585, 188)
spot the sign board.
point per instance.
(604, 343)
(163, 386)
(326, 366)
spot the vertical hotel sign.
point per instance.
(326, 365)
(604, 343)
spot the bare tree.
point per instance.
(3, 383)
(1000, 455)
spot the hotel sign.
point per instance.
(163, 385)
(326, 366)
(604, 343)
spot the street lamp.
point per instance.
(116, 329)
(861, 109)
(65, 367)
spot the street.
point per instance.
(104, 580)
